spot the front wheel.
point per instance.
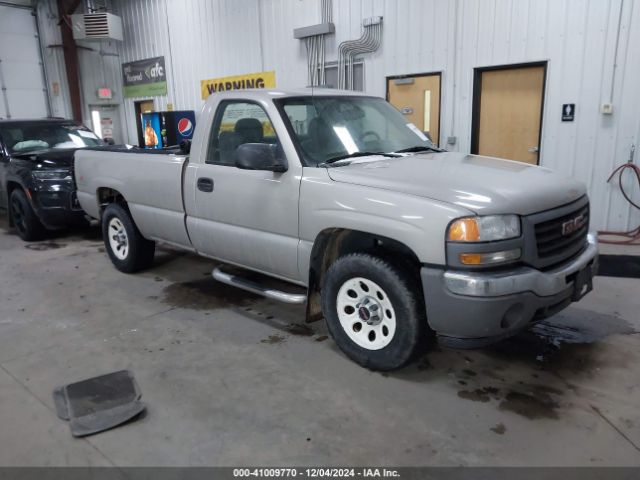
(374, 312)
(128, 250)
(24, 218)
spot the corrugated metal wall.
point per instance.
(210, 38)
(53, 57)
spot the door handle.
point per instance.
(205, 184)
(533, 150)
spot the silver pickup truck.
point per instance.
(394, 240)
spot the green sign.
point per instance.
(144, 78)
(146, 90)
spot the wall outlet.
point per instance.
(606, 109)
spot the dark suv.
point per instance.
(36, 178)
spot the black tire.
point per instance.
(139, 252)
(411, 328)
(24, 219)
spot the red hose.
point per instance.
(631, 237)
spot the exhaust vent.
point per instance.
(97, 26)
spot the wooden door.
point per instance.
(509, 120)
(418, 98)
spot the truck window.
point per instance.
(237, 123)
(324, 127)
(24, 137)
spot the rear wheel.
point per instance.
(374, 312)
(128, 250)
(24, 218)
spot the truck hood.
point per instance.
(50, 158)
(484, 185)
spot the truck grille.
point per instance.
(562, 237)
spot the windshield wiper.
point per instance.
(355, 155)
(419, 148)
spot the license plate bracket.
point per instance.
(582, 283)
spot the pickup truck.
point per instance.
(394, 240)
(36, 186)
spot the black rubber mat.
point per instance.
(99, 403)
(625, 266)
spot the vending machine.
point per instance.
(167, 129)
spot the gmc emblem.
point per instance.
(573, 225)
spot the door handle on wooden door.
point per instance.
(533, 150)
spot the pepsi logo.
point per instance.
(185, 127)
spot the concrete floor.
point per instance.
(232, 379)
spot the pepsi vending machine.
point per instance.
(167, 129)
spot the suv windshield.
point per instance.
(25, 137)
(328, 128)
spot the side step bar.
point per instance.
(258, 289)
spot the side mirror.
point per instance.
(260, 156)
(109, 141)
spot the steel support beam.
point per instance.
(65, 9)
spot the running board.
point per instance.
(253, 287)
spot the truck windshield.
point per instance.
(327, 128)
(25, 137)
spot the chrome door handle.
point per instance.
(533, 150)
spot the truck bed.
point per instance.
(150, 181)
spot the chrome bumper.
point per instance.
(523, 279)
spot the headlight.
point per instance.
(52, 175)
(484, 229)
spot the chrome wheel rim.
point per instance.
(118, 240)
(366, 313)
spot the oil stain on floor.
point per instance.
(43, 246)
(273, 340)
(569, 343)
(206, 294)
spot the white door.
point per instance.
(105, 122)
(23, 91)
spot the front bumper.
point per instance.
(473, 309)
(56, 204)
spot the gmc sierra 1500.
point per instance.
(394, 239)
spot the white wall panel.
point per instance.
(209, 38)
(21, 74)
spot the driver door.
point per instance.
(245, 217)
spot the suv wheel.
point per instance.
(24, 218)
(374, 312)
(128, 250)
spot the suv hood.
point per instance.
(484, 185)
(54, 158)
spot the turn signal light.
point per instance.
(464, 230)
(471, 258)
(490, 258)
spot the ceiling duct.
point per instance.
(369, 42)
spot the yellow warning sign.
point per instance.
(238, 82)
